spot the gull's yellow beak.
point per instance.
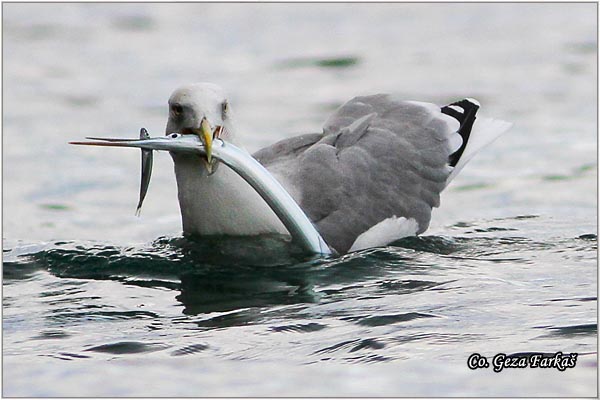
(206, 136)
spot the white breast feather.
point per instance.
(220, 204)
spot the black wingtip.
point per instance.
(464, 112)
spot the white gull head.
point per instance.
(190, 104)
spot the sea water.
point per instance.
(98, 302)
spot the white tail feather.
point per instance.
(485, 131)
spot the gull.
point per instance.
(371, 177)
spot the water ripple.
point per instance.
(300, 328)
(128, 348)
(191, 349)
(379, 320)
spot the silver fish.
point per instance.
(147, 157)
(279, 200)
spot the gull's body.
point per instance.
(370, 178)
(220, 204)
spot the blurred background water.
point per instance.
(98, 302)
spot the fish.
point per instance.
(147, 157)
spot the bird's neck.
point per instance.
(220, 204)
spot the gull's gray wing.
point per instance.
(377, 159)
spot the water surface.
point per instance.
(97, 302)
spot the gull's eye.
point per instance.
(177, 109)
(224, 110)
(175, 135)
